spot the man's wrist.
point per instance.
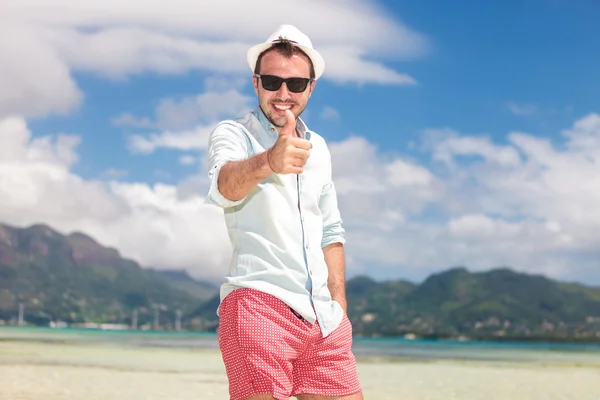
(342, 302)
(268, 157)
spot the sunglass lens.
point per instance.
(270, 82)
(296, 85)
(273, 83)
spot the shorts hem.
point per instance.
(250, 393)
(327, 393)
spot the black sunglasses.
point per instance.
(273, 83)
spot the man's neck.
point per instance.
(278, 128)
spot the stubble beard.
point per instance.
(269, 114)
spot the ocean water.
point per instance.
(380, 349)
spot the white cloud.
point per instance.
(185, 112)
(187, 160)
(453, 145)
(128, 119)
(536, 213)
(115, 40)
(28, 88)
(117, 53)
(344, 63)
(181, 113)
(330, 113)
(225, 83)
(529, 204)
(550, 182)
(180, 117)
(585, 135)
(113, 173)
(195, 139)
(376, 194)
(522, 108)
(401, 173)
(554, 191)
(482, 226)
(162, 225)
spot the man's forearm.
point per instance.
(334, 258)
(238, 178)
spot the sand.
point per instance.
(33, 370)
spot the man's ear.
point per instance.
(311, 87)
(255, 84)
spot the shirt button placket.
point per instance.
(304, 231)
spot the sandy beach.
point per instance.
(55, 370)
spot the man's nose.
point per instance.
(283, 91)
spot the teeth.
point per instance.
(281, 107)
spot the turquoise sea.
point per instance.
(376, 348)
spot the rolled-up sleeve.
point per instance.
(225, 143)
(333, 231)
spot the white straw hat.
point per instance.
(298, 38)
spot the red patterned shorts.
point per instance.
(269, 348)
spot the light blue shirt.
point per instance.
(279, 229)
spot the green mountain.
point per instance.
(495, 304)
(181, 280)
(74, 279)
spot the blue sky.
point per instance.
(482, 57)
(481, 171)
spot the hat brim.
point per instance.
(315, 57)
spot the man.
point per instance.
(283, 327)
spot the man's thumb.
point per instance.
(290, 124)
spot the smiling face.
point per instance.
(274, 103)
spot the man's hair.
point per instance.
(287, 49)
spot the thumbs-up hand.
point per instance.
(290, 124)
(289, 153)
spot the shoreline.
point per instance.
(472, 357)
(74, 370)
(366, 350)
(592, 342)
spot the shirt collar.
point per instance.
(272, 129)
